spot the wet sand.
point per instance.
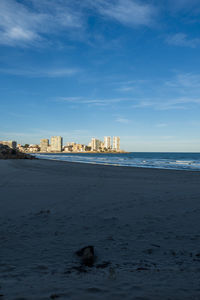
(143, 223)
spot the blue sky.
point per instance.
(87, 68)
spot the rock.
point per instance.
(9, 153)
(87, 255)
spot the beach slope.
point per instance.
(143, 223)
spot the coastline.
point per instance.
(143, 222)
(120, 166)
(186, 164)
(78, 152)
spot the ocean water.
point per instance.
(178, 161)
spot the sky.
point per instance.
(95, 68)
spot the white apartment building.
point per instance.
(116, 143)
(95, 144)
(56, 143)
(107, 142)
(44, 144)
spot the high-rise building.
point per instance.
(11, 144)
(107, 142)
(95, 144)
(116, 143)
(56, 143)
(44, 144)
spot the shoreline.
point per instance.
(118, 165)
(84, 152)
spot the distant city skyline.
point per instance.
(82, 68)
(56, 144)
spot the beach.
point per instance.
(143, 223)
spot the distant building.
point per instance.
(33, 148)
(44, 144)
(49, 148)
(95, 144)
(68, 148)
(11, 144)
(116, 143)
(73, 147)
(102, 146)
(20, 147)
(56, 143)
(107, 142)
(88, 148)
(79, 148)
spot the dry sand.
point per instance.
(145, 223)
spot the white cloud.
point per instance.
(179, 5)
(18, 33)
(177, 93)
(21, 25)
(123, 121)
(167, 103)
(125, 89)
(25, 23)
(127, 12)
(185, 83)
(130, 85)
(62, 72)
(182, 40)
(81, 100)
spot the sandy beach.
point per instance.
(144, 225)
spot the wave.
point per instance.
(130, 160)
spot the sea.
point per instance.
(177, 161)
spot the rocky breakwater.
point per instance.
(9, 153)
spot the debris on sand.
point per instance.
(87, 255)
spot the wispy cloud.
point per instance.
(123, 120)
(25, 23)
(92, 101)
(127, 12)
(179, 5)
(130, 85)
(22, 24)
(185, 81)
(179, 92)
(167, 103)
(52, 73)
(182, 40)
(125, 89)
